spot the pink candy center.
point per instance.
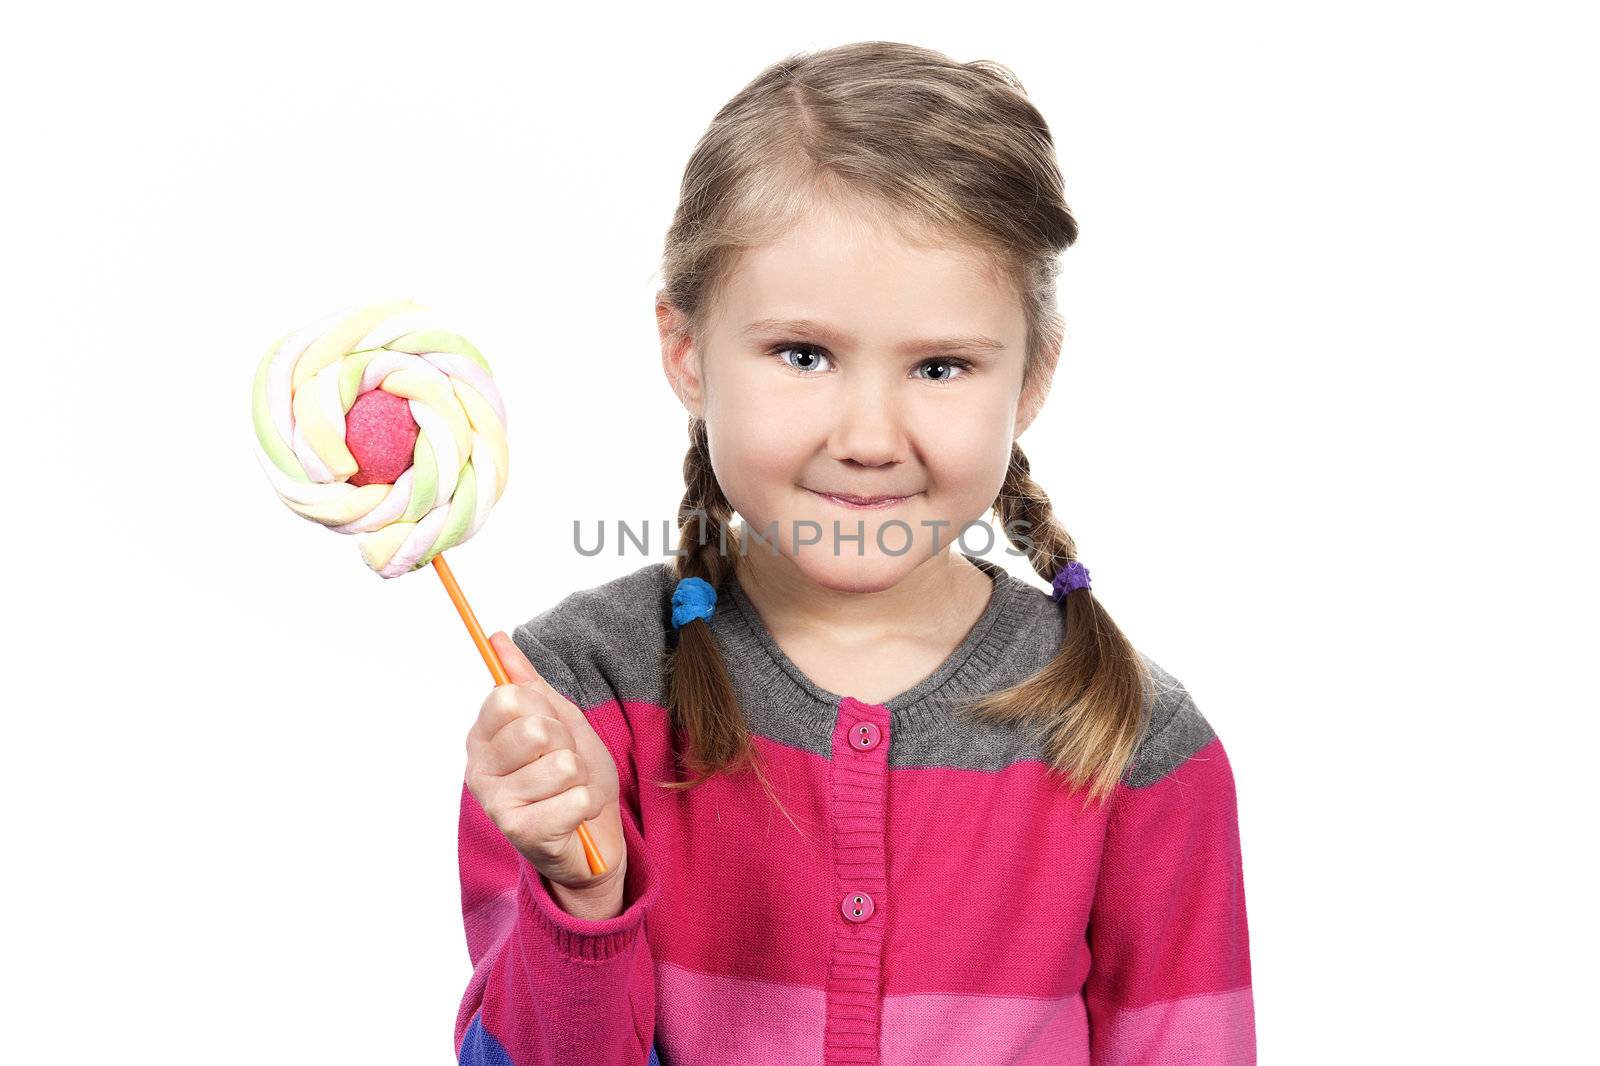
(382, 435)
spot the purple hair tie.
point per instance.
(1072, 576)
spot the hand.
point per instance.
(537, 768)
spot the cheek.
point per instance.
(966, 456)
(757, 452)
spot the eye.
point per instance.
(806, 362)
(947, 365)
(812, 353)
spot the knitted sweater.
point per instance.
(936, 898)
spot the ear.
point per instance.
(1037, 388)
(680, 359)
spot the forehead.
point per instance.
(875, 279)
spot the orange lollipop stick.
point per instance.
(597, 865)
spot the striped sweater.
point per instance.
(936, 898)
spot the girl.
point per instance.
(1006, 836)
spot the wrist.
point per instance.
(596, 901)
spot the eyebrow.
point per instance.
(975, 345)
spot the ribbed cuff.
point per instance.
(581, 938)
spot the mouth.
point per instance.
(861, 503)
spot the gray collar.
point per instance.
(986, 659)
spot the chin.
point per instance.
(873, 571)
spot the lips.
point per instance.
(852, 500)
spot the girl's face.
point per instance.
(843, 359)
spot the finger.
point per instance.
(504, 704)
(523, 741)
(549, 775)
(516, 664)
(521, 671)
(558, 816)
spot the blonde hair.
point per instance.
(938, 150)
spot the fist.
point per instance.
(537, 768)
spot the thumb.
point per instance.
(517, 666)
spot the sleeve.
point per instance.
(1169, 975)
(548, 988)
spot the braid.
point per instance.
(1023, 503)
(1089, 699)
(703, 542)
(700, 694)
(699, 691)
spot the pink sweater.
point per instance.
(937, 898)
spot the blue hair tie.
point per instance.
(1072, 576)
(693, 598)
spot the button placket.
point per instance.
(859, 772)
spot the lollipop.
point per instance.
(383, 424)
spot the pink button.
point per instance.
(857, 907)
(864, 736)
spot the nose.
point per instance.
(868, 423)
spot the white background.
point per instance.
(1323, 431)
